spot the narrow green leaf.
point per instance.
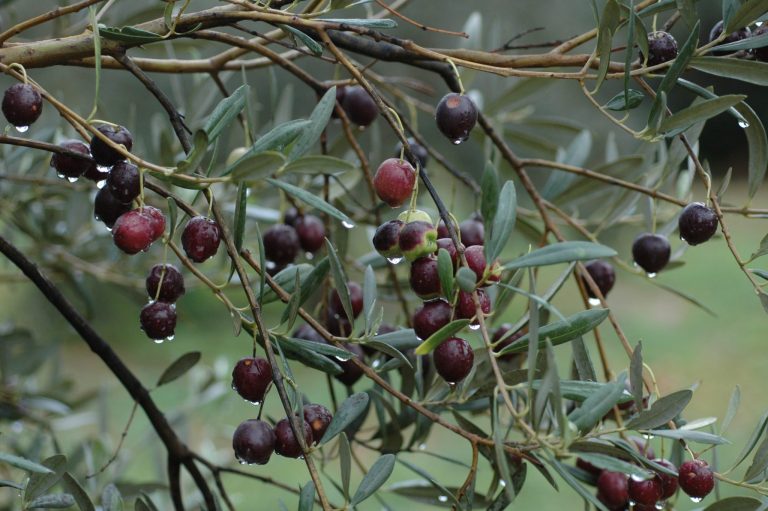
(748, 12)
(500, 454)
(4, 483)
(365, 23)
(24, 464)
(319, 164)
(575, 484)
(466, 279)
(309, 354)
(276, 140)
(596, 406)
(583, 362)
(707, 93)
(688, 435)
(374, 479)
(735, 504)
(389, 350)
(699, 111)
(340, 280)
(286, 279)
(255, 168)
(291, 343)
(561, 332)
(562, 252)
(349, 410)
(179, 367)
(755, 472)
(577, 390)
(662, 411)
(403, 339)
(436, 339)
(225, 112)
(636, 375)
(752, 441)
(318, 121)
(750, 71)
(313, 46)
(688, 11)
(370, 292)
(609, 22)
(97, 58)
(345, 461)
(40, 483)
(426, 493)
(614, 464)
(755, 41)
(758, 147)
(733, 407)
(52, 501)
(131, 35)
(70, 485)
(503, 222)
(195, 157)
(240, 216)
(111, 500)
(292, 308)
(173, 215)
(489, 199)
(445, 272)
(621, 101)
(307, 497)
(311, 199)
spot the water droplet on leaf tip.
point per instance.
(347, 224)
(375, 364)
(21, 129)
(474, 327)
(651, 275)
(743, 124)
(442, 498)
(594, 302)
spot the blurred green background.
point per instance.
(684, 345)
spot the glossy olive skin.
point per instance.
(281, 244)
(201, 238)
(251, 377)
(695, 478)
(613, 489)
(72, 166)
(286, 444)
(359, 106)
(662, 47)
(603, 274)
(456, 115)
(158, 320)
(170, 281)
(651, 252)
(453, 359)
(105, 155)
(22, 104)
(431, 317)
(253, 442)
(697, 223)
